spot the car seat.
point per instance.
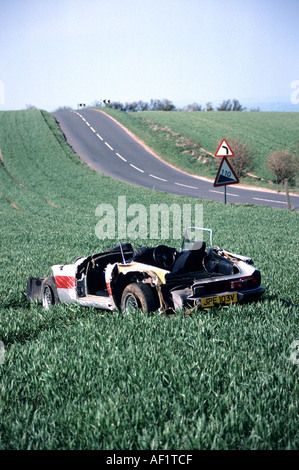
(190, 260)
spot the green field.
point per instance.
(179, 137)
(78, 378)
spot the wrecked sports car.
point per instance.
(159, 278)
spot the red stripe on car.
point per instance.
(109, 288)
(65, 282)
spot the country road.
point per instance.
(107, 147)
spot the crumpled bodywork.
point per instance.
(165, 277)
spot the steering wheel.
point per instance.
(164, 256)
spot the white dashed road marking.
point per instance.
(136, 168)
(157, 178)
(268, 200)
(214, 191)
(121, 157)
(186, 186)
(109, 146)
(221, 192)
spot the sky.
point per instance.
(63, 52)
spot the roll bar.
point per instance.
(186, 238)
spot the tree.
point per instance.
(209, 106)
(168, 105)
(134, 106)
(230, 105)
(284, 165)
(236, 106)
(192, 107)
(131, 106)
(224, 106)
(243, 156)
(117, 105)
(142, 106)
(161, 105)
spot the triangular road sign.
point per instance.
(226, 174)
(224, 150)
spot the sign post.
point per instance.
(226, 174)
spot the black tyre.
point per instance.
(138, 296)
(49, 293)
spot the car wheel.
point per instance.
(138, 296)
(49, 292)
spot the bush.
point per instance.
(243, 159)
(283, 164)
